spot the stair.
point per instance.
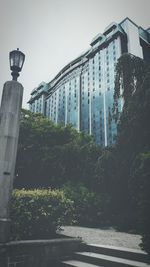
(75, 263)
(121, 252)
(107, 256)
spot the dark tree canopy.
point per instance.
(50, 155)
(133, 141)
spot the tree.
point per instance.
(140, 181)
(133, 142)
(50, 155)
(132, 84)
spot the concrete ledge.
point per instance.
(43, 242)
(37, 253)
(4, 230)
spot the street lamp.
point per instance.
(16, 59)
(9, 131)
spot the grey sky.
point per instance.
(53, 32)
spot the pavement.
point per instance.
(109, 236)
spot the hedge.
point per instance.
(90, 209)
(38, 213)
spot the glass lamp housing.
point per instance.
(16, 59)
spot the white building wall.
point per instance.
(133, 43)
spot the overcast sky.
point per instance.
(53, 32)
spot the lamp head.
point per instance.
(16, 59)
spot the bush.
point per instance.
(90, 209)
(38, 213)
(140, 183)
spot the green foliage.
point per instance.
(90, 209)
(130, 74)
(50, 155)
(38, 213)
(140, 179)
(133, 127)
(133, 84)
(106, 168)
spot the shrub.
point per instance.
(90, 209)
(38, 213)
(140, 183)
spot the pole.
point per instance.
(9, 132)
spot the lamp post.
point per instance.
(9, 132)
(16, 59)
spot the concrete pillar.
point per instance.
(9, 132)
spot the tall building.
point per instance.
(81, 94)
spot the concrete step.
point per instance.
(106, 261)
(75, 263)
(126, 253)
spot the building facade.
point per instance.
(81, 94)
